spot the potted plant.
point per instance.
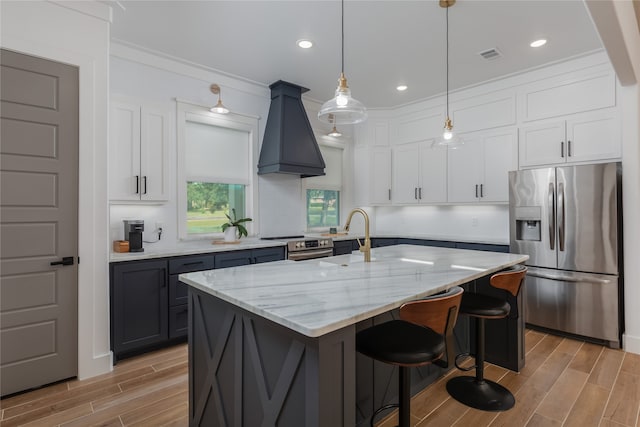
(233, 228)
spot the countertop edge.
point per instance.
(317, 332)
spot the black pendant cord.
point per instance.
(447, 15)
(342, 69)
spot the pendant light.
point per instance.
(334, 132)
(449, 137)
(218, 108)
(345, 109)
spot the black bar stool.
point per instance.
(415, 340)
(478, 392)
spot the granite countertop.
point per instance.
(194, 247)
(316, 297)
(207, 246)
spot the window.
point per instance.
(323, 208)
(323, 192)
(215, 155)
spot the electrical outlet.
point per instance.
(159, 225)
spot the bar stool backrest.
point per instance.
(438, 312)
(510, 280)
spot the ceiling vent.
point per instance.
(491, 54)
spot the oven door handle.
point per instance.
(300, 256)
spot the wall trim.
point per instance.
(165, 62)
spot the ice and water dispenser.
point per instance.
(528, 223)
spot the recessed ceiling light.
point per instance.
(401, 88)
(304, 43)
(538, 43)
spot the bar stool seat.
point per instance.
(478, 392)
(417, 339)
(484, 306)
(401, 343)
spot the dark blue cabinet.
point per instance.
(344, 247)
(139, 300)
(250, 256)
(149, 306)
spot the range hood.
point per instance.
(289, 145)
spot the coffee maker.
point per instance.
(133, 229)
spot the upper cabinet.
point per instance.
(419, 173)
(138, 151)
(586, 137)
(372, 176)
(570, 118)
(478, 171)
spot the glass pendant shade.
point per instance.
(334, 133)
(449, 137)
(219, 108)
(342, 109)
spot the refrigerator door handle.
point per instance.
(552, 217)
(566, 278)
(561, 212)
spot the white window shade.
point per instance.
(216, 154)
(332, 180)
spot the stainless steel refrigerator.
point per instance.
(568, 220)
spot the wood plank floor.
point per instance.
(564, 383)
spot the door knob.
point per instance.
(68, 260)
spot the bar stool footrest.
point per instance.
(470, 368)
(382, 409)
(485, 395)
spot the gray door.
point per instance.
(587, 218)
(38, 213)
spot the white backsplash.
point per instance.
(463, 223)
(281, 205)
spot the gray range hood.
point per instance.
(289, 145)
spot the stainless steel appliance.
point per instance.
(568, 220)
(300, 248)
(133, 229)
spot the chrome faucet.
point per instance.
(366, 248)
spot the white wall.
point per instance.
(51, 30)
(159, 79)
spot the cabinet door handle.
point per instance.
(415, 193)
(561, 148)
(420, 193)
(569, 148)
(145, 185)
(476, 190)
(137, 184)
(389, 194)
(481, 192)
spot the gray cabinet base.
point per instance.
(247, 371)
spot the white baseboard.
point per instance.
(631, 343)
(101, 364)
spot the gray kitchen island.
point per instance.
(274, 344)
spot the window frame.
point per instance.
(190, 112)
(330, 142)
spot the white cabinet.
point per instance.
(419, 173)
(478, 171)
(582, 138)
(372, 176)
(138, 152)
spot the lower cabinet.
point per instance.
(250, 256)
(344, 247)
(139, 301)
(149, 306)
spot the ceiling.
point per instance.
(387, 43)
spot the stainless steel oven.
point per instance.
(300, 250)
